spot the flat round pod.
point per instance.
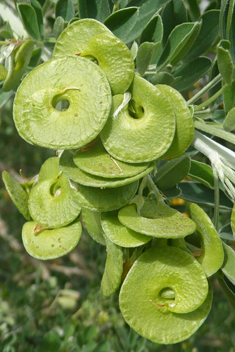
(19, 61)
(53, 203)
(146, 133)
(18, 196)
(212, 256)
(156, 315)
(75, 80)
(97, 161)
(157, 220)
(50, 244)
(114, 58)
(74, 38)
(72, 171)
(92, 222)
(49, 169)
(120, 234)
(108, 199)
(184, 123)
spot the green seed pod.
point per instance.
(49, 169)
(50, 244)
(69, 78)
(157, 220)
(92, 221)
(146, 133)
(53, 203)
(3, 72)
(146, 301)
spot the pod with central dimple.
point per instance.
(53, 203)
(142, 131)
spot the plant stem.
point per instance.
(211, 99)
(216, 199)
(210, 85)
(218, 132)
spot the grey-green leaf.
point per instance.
(229, 122)
(153, 32)
(202, 173)
(191, 72)
(65, 9)
(229, 263)
(38, 10)
(145, 55)
(172, 172)
(58, 26)
(98, 9)
(225, 63)
(29, 20)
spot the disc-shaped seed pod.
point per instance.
(74, 173)
(212, 256)
(97, 161)
(47, 244)
(16, 192)
(49, 169)
(184, 131)
(143, 130)
(70, 78)
(74, 38)
(150, 310)
(115, 59)
(53, 203)
(120, 234)
(157, 220)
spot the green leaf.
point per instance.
(223, 17)
(51, 341)
(6, 31)
(198, 193)
(58, 26)
(229, 122)
(29, 20)
(65, 9)
(232, 37)
(194, 9)
(98, 9)
(147, 9)
(172, 192)
(207, 36)
(122, 22)
(4, 96)
(145, 55)
(3, 72)
(35, 57)
(229, 263)
(163, 78)
(173, 14)
(111, 279)
(230, 295)
(224, 60)
(202, 173)
(38, 10)
(191, 72)
(229, 97)
(179, 42)
(153, 32)
(172, 172)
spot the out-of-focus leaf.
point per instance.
(122, 22)
(38, 10)
(213, 73)
(194, 9)
(229, 122)
(3, 72)
(145, 55)
(51, 341)
(153, 32)
(207, 36)
(147, 9)
(98, 9)
(65, 9)
(229, 263)
(232, 37)
(163, 78)
(29, 20)
(223, 18)
(229, 97)
(35, 57)
(202, 172)
(172, 192)
(224, 60)
(172, 172)
(173, 14)
(191, 72)
(4, 96)
(134, 50)
(230, 295)
(198, 193)
(58, 26)
(6, 31)
(179, 42)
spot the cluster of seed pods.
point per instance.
(115, 126)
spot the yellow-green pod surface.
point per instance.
(212, 256)
(53, 203)
(114, 58)
(50, 244)
(157, 220)
(68, 78)
(150, 310)
(74, 38)
(3, 72)
(148, 134)
(184, 131)
(49, 169)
